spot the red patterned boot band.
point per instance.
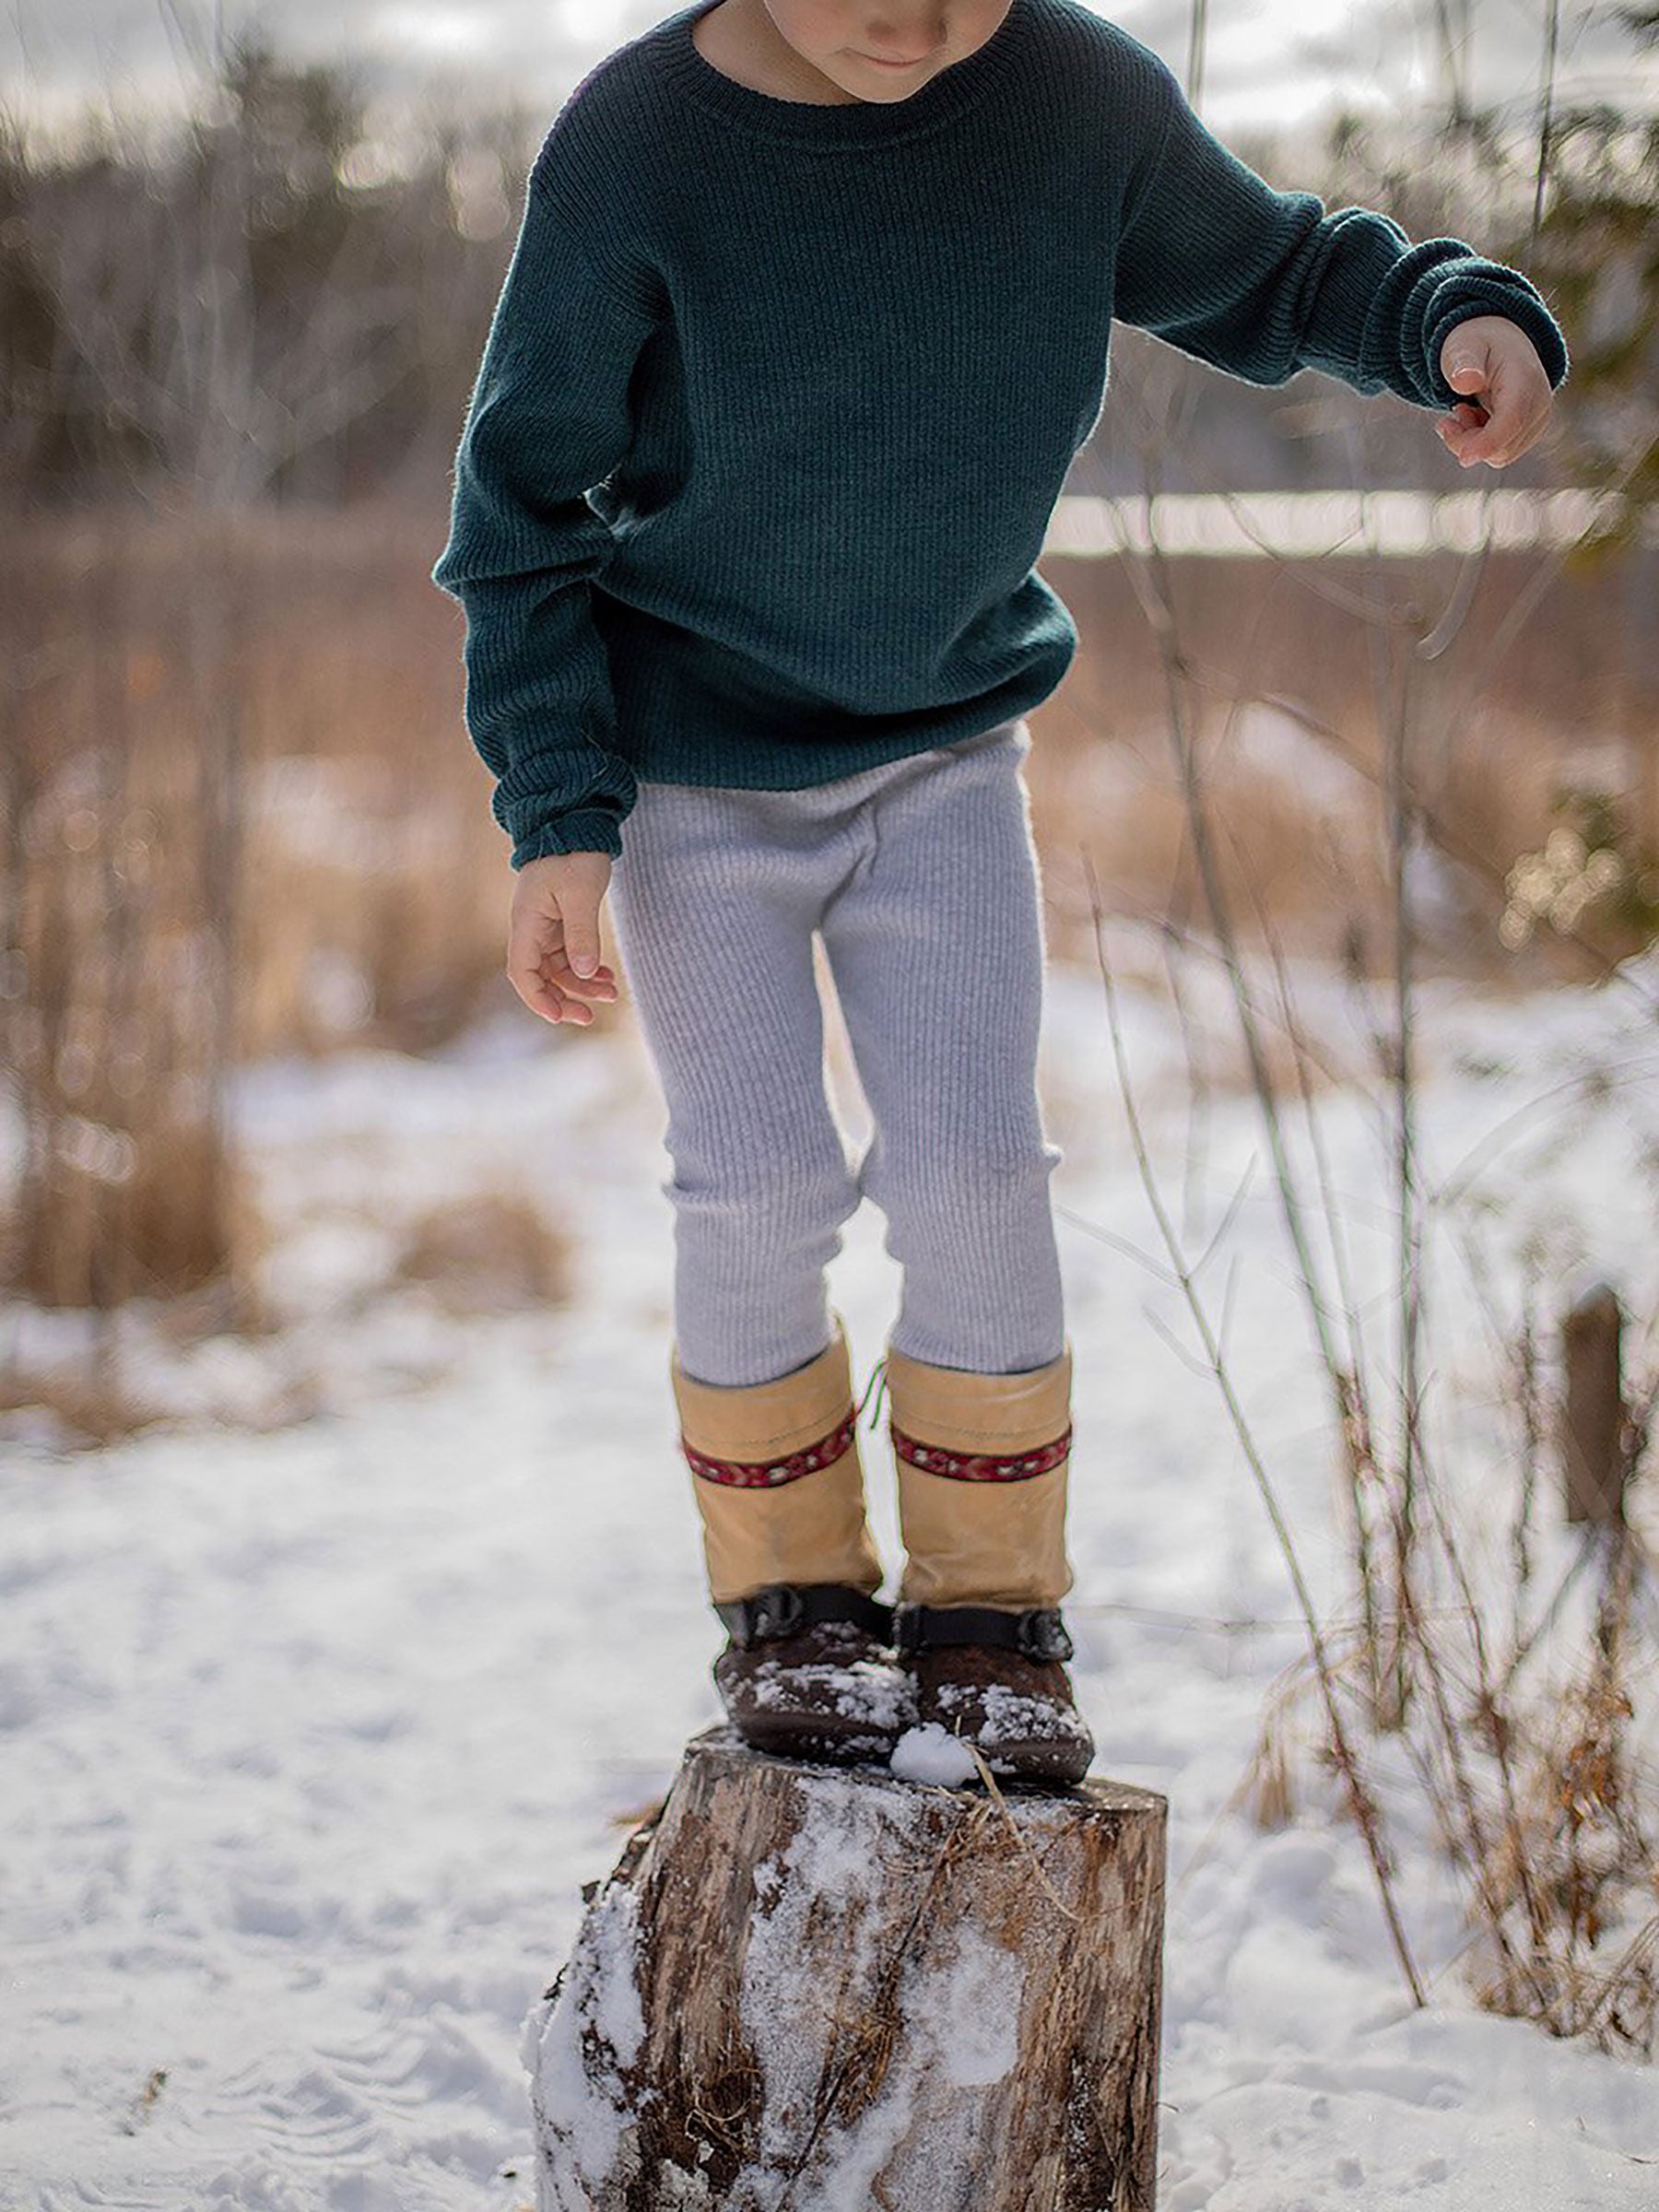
(982, 1466)
(768, 1473)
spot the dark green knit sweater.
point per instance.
(778, 398)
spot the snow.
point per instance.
(963, 2023)
(312, 1730)
(868, 1691)
(1007, 1716)
(578, 2041)
(931, 1753)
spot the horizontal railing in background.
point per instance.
(1314, 525)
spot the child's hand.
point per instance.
(553, 935)
(1493, 358)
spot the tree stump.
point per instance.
(1593, 1413)
(809, 1988)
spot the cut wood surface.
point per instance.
(807, 1988)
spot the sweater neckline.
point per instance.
(838, 123)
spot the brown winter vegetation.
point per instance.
(374, 880)
(1514, 1707)
(1287, 723)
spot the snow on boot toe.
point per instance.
(1019, 1713)
(831, 1691)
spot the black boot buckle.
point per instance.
(1039, 1633)
(786, 1608)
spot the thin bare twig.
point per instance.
(1363, 1806)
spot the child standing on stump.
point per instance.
(808, 314)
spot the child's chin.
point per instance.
(890, 96)
(881, 85)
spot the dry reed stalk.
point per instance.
(1585, 1840)
(1399, 1070)
(1552, 41)
(1367, 1488)
(1267, 1786)
(1483, 1703)
(1359, 1800)
(1517, 1359)
(1529, 1391)
(1493, 1848)
(1199, 1091)
(1339, 1368)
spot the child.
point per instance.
(808, 314)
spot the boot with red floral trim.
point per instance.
(983, 1462)
(808, 1670)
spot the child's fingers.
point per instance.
(555, 970)
(568, 934)
(553, 937)
(1457, 429)
(574, 931)
(554, 983)
(1502, 413)
(540, 973)
(538, 991)
(543, 996)
(536, 938)
(1503, 437)
(536, 984)
(552, 1005)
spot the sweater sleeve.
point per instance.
(1262, 283)
(547, 421)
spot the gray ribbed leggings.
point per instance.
(923, 879)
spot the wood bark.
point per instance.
(1593, 1412)
(807, 1988)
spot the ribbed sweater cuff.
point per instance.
(1517, 301)
(588, 830)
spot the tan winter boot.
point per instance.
(983, 1462)
(808, 1670)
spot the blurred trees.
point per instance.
(1596, 252)
(268, 306)
(287, 297)
(272, 304)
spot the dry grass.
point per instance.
(241, 817)
(95, 1378)
(1537, 1791)
(363, 813)
(1286, 724)
(487, 1252)
(86, 1412)
(374, 882)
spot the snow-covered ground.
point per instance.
(313, 1732)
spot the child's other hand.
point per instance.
(554, 932)
(1495, 361)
